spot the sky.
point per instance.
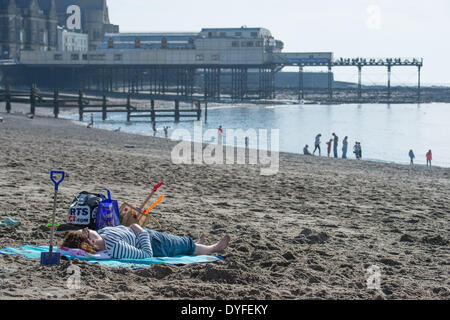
(348, 28)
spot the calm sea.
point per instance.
(386, 132)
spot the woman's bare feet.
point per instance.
(223, 243)
(202, 238)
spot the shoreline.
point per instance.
(65, 114)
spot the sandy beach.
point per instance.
(311, 231)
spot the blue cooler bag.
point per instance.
(107, 213)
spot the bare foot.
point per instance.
(202, 238)
(223, 243)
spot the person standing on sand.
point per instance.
(356, 150)
(219, 134)
(411, 156)
(317, 144)
(246, 142)
(135, 242)
(329, 147)
(359, 151)
(429, 157)
(166, 131)
(335, 145)
(154, 128)
(344, 148)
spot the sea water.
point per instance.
(386, 132)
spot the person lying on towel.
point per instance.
(135, 242)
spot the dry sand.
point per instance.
(309, 232)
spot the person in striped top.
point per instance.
(135, 242)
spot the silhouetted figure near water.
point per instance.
(429, 157)
(357, 150)
(219, 135)
(154, 128)
(329, 147)
(344, 148)
(317, 144)
(306, 151)
(335, 145)
(411, 156)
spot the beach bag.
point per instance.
(107, 213)
(83, 210)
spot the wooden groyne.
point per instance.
(88, 105)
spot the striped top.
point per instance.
(123, 243)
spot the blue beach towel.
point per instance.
(35, 253)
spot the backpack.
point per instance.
(83, 210)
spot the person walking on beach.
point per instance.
(317, 144)
(359, 151)
(246, 142)
(166, 131)
(91, 123)
(154, 128)
(429, 157)
(329, 147)
(344, 148)
(411, 156)
(335, 145)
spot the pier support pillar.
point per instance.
(389, 82)
(330, 82)
(301, 89)
(80, 105)
(359, 82)
(56, 103)
(418, 83)
(104, 116)
(8, 98)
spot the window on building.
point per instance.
(215, 57)
(85, 57)
(223, 34)
(254, 34)
(235, 44)
(118, 57)
(74, 57)
(199, 57)
(238, 34)
(58, 56)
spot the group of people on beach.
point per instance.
(428, 156)
(165, 129)
(334, 141)
(357, 150)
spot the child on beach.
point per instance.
(136, 242)
(329, 147)
(219, 135)
(411, 156)
(429, 157)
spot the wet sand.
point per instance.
(309, 232)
